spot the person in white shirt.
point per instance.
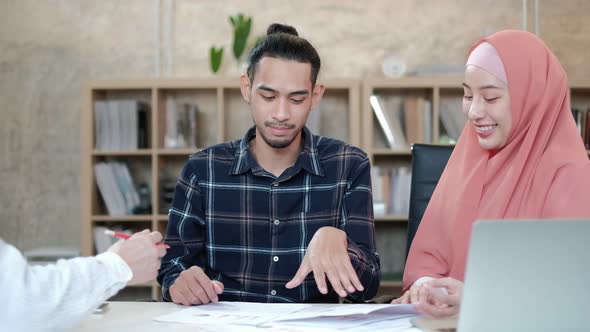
(57, 297)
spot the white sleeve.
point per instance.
(56, 297)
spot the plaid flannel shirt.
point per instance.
(250, 229)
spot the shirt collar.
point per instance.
(308, 158)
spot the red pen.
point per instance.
(121, 235)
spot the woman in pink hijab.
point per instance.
(519, 156)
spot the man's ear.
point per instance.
(317, 93)
(245, 88)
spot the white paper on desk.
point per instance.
(353, 316)
(389, 310)
(238, 313)
(393, 324)
(333, 316)
(356, 322)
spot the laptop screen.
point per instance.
(527, 275)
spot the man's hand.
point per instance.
(327, 255)
(142, 255)
(439, 304)
(194, 287)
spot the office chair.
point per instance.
(428, 164)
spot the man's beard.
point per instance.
(276, 143)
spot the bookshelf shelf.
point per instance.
(216, 109)
(125, 153)
(176, 152)
(391, 218)
(122, 219)
(389, 152)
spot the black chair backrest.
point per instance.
(428, 164)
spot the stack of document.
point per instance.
(318, 317)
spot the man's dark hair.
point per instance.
(283, 42)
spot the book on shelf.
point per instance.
(582, 119)
(168, 187)
(391, 190)
(452, 118)
(377, 185)
(181, 125)
(399, 202)
(143, 124)
(120, 125)
(578, 119)
(418, 120)
(428, 135)
(116, 188)
(390, 123)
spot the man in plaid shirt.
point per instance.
(269, 217)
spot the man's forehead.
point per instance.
(282, 74)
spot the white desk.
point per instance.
(134, 316)
(138, 316)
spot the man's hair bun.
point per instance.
(281, 28)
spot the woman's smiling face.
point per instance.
(486, 104)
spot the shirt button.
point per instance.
(276, 184)
(277, 222)
(276, 258)
(273, 292)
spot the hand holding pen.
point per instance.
(142, 252)
(126, 236)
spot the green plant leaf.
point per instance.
(242, 26)
(215, 57)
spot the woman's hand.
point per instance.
(415, 294)
(438, 303)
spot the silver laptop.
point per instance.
(529, 275)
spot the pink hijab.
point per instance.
(542, 172)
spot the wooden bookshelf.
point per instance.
(222, 116)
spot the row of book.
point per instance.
(403, 121)
(391, 190)
(181, 125)
(452, 118)
(116, 188)
(121, 125)
(582, 118)
(408, 120)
